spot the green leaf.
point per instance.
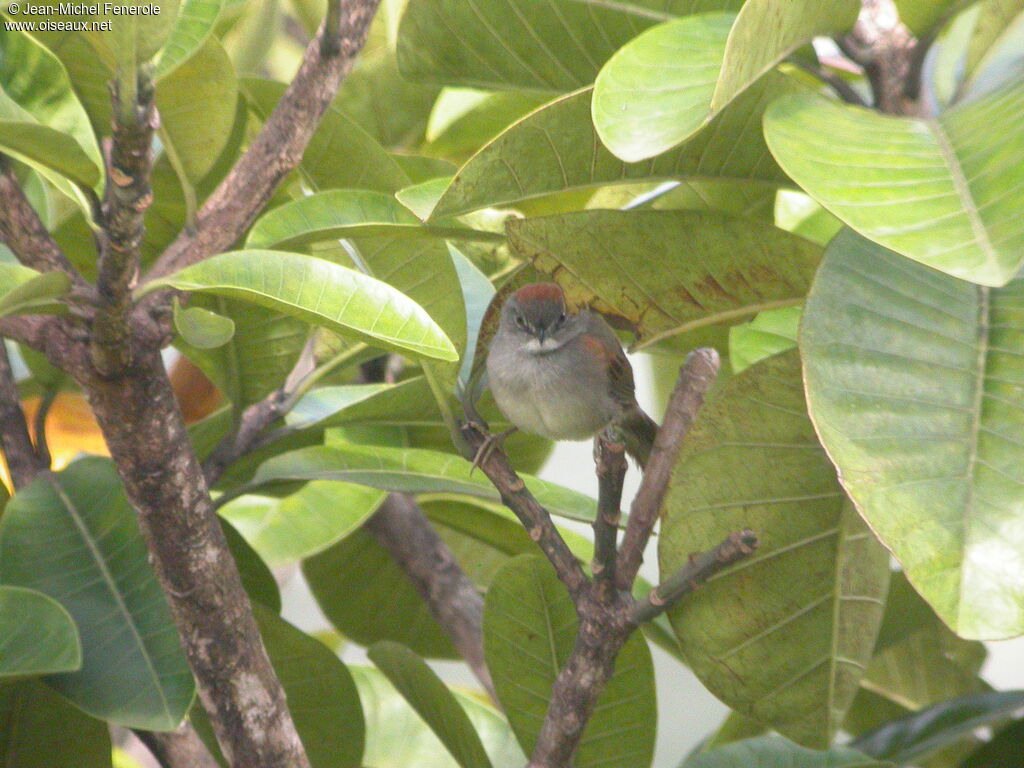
(322, 695)
(346, 213)
(29, 291)
(37, 635)
(423, 689)
(304, 523)
(396, 737)
(819, 578)
(364, 164)
(257, 579)
(355, 579)
(73, 536)
(1003, 751)
(923, 16)
(45, 148)
(556, 149)
(995, 55)
(910, 738)
(767, 334)
(935, 190)
(463, 119)
(410, 470)
(917, 662)
(664, 85)
(914, 387)
(39, 729)
(192, 26)
(529, 630)
(321, 293)
(630, 264)
(258, 357)
(770, 752)
(201, 328)
(197, 110)
(37, 82)
(421, 198)
(383, 103)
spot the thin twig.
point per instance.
(699, 569)
(695, 378)
(404, 531)
(128, 195)
(536, 520)
(610, 462)
(22, 461)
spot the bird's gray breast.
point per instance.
(560, 394)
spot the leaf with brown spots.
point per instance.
(666, 273)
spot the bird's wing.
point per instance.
(602, 340)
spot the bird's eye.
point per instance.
(561, 318)
(520, 322)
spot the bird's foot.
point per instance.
(488, 445)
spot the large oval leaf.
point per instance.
(35, 79)
(819, 577)
(768, 752)
(410, 470)
(396, 737)
(319, 292)
(285, 530)
(915, 385)
(364, 164)
(669, 272)
(529, 630)
(39, 729)
(37, 635)
(346, 213)
(936, 190)
(548, 45)
(661, 87)
(73, 536)
(354, 578)
(197, 110)
(25, 291)
(429, 696)
(556, 149)
(192, 26)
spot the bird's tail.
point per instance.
(638, 429)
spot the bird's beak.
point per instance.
(542, 334)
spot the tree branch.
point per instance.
(23, 231)
(885, 48)
(22, 460)
(163, 481)
(610, 462)
(404, 531)
(701, 567)
(128, 195)
(695, 378)
(180, 748)
(277, 149)
(536, 520)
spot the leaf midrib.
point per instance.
(111, 583)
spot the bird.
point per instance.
(564, 375)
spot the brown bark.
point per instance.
(164, 483)
(404, 531)
(20, 455)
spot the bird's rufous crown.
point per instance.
(540, 292)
